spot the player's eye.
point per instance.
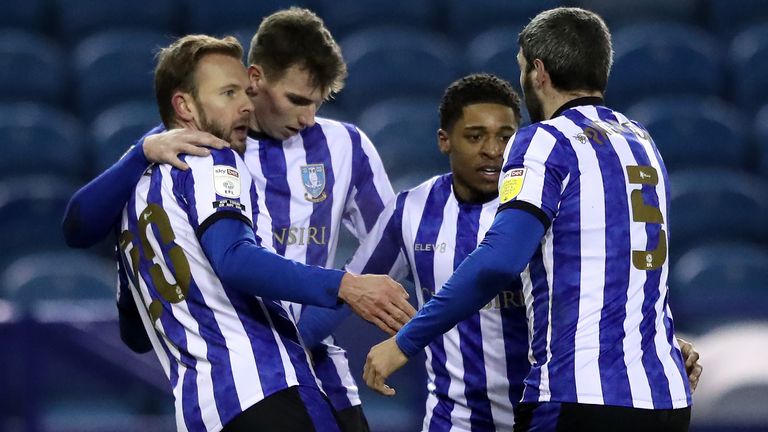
(505, 138)
(473, 138)
(229, 93)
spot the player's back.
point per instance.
(222, 350)
(602, 331)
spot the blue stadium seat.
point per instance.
(728, 18)
(32, 69)
(65, 275)
(718, 283)
(694, 131)
(117, 128)
(216, 18)
(31, 209)
(760, 135)
(495, 51)
(733, 392)
(78, 19)
(28, 15)
(388, 62)
(659, 59)
(343, 19)
(617, 13)
(749, 67)
(37, 139)
(465, 19)
(711, 204)
(115, 66)
(404, 132)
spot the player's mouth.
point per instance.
(490, 172)
(292, 130)
(241, 132)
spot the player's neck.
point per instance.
(555, 99)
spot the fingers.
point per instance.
(375, 379)
(178, 163)
(383, 326)
(200, 138)
(694, 375)
(691, 359)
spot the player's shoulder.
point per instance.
(217, 158)
(329, 125)
(425, 188)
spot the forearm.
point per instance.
(317, 323)
(94, 209)
(502, 256)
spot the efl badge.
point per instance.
(313, 178)
(226, 181)
(511, 184)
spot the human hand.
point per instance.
(165, 147)
(692, 366)
(382, 361)
(378, 299)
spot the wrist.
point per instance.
(346, 287)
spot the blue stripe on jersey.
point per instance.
(425, 261)
(391, 243)
(316, 150)
(470, 333)
(144, 274)
(272, 159)
(614, 378)
(176, 333)
(289, 336)
(540, 294)
(515, 333)
(184, 183)
(566, 282)
(653, 368)
(675, 353)
(367, 198)
(330, 379)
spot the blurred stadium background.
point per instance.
(76, 90)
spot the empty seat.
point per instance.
(404, 132)
(728, 18)
(694, 131)
(749, 67)
(216, 18)
(114, 67)
(658, 59)
(391, 62)
(119, 127)
(718, 283)
(78, 19)
(466, 19)
(28, 15)
(32, 69)
(37, 139)
(711, 204)
(733, 392)
(31, 209)
(66, 275)
(344, 19)
(618, 13)
(495, 51)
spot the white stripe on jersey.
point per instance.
(333, 143)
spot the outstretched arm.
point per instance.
(95, 208)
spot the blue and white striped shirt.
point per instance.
(476, 369)
(222, 350)
(310, 184)
(596, 290)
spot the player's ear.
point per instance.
(443, 141)
(255, 77)
(540, 75)
(183, 106)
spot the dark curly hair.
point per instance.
(475, 89)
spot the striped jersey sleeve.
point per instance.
(533, 176)
(371, 189)
(383, 251)
(215, 187)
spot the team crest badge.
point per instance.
(313, 178)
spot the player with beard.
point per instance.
(200, 282)
(314, 176)
(583, 215)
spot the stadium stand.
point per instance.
(694, 131)
(32, 68)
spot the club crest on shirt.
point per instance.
(313, 179)
(511, 184)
